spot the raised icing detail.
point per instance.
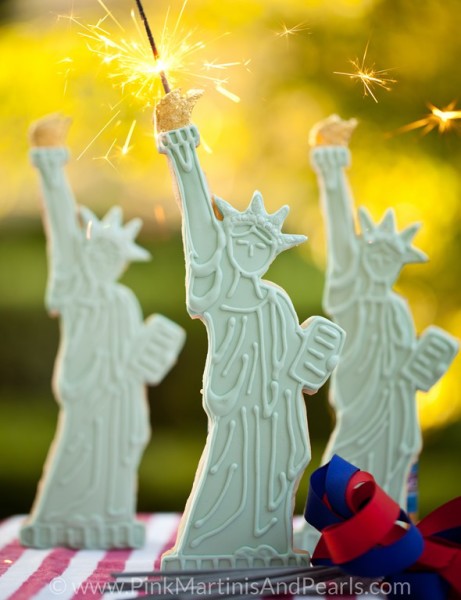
(239, 512)
(384, 363)
(87, 495)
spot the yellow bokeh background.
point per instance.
(287, 85)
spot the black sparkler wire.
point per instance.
(153, 45)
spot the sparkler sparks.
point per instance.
(130, 67)
(130, 59)
(444, 119)
(290, 31)
(369, 76)
(107, 155)
(126, 146)
(67, 63)
(91, 142)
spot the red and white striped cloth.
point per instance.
(64, 574)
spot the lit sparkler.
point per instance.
(444, 119)
(153, 45)
(369, 76)
(141, 77)
(132, 67)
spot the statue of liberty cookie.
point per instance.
(384, 363)
(260, 360)
(87, 495)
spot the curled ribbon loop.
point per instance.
(367, 534)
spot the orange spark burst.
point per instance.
(369, 76)
(441, 118)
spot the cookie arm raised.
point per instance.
(330, 156)
(199, 220)
(49, 155)
(203, 237)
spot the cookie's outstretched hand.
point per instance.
(175, 109)
(49, 131)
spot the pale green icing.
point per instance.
(259, 362)
(87, 495)
(383, 363)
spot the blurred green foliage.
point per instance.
(261, 142)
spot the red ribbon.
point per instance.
(441, 555)
(371, 525)
(375, 534)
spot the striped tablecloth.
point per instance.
(63, 574)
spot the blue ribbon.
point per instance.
(327, 505)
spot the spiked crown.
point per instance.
(386, 231)
(256, 215)
(110, 227)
